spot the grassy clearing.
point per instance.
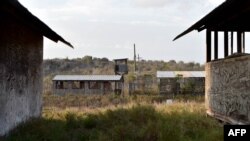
(142, 119)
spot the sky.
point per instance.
(109, 28)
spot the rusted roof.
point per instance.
(231, 15)
(19, 12)
(87, 78)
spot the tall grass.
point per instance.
(100, 101)
(184, 120)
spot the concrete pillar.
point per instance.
(86, 87)
(102, 87)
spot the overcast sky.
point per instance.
(109, 28)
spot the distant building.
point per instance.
(87, 84)
(141, 84)
(21, 59)
(181, 82)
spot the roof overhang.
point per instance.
(19, 12)
(231, 15)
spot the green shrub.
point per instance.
(90, 122)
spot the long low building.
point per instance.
(87, 84)
(181, 82)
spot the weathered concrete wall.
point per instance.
(21, 56)
(189, 85)
(192, 85)
(228, 88)
(168, 86)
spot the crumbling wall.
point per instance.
(168, 86)
(192, 85)
(21, 56)
(228, 88)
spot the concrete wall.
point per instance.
(168, 86)
(192, 85)
(21, 56)
(228, 89)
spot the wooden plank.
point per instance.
(208, 42)
(225, 44)
(215, 45)
(232, 42)
(239, 42)
(244, 42)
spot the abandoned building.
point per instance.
(181, 82)
(87, 84)
(227, 77)
(142, 84)
(21, 58)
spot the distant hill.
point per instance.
(93, 65)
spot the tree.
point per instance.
(87, 59)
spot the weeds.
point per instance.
(134, 121)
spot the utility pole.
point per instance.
(138, 69)
(135, 69)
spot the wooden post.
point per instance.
(102, 88)
(239, 42)
(244, 42)
(86, 87)
(115, 87)
(232, 43)
(225, 44)
(208, 42)
(215, 45)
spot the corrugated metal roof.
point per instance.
(87, 78)
(168, 74)
(172, 74)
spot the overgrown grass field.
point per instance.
(120, 118)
